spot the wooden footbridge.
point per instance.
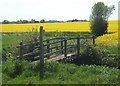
(54, 49)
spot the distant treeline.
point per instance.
(41, 21)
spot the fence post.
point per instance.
(62, 46)
(21, 50)
(78, 45)
(65, 47)
(48, 48)
(31, 46)
(41, 54)
(93, 40)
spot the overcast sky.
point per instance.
(13, 10)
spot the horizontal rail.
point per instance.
(53, 52)
(53, 39)
(28, 44)
(53, 47)
(53, 43)
(50, 39)
(70, 47)
(36, 58)
(37, 42)
(71, 38)
(28, 54)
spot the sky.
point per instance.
(61, 10)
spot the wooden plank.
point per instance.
(59, 57)
(38, 61)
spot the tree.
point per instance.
(32, 21)
(19, 21)
(99, 18)
(24, 21)
(5, 22)
(42, 21)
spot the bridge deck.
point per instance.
(59, 57)
(54, 58)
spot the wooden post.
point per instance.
(48, 48)
(78, 46)
(93, 40)
(65, 47)
(21, 50)
(31, 46)
(62, 46)
(41, 54)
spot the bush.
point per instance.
(91, 55)
(14, 68)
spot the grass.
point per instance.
(58, 73)
(11, 40)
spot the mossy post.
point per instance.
(21, 50)
(65, 47)
(48, 48)
(93, 40)
(78, 45)
(41, 53)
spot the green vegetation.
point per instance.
(96, 66)
(58, 73)
(11, 40)
(99, 18)
(99, 55)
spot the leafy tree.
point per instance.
(32, 21)
(24, 21)
(42, 21)
(5, 22)
(19, 21)
(99, 18)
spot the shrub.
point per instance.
(91, 55)
(14, 68)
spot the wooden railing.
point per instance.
(48, 48)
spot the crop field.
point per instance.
(56, 27)
(108, 39)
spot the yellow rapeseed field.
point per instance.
(59, 27)
(108, 39)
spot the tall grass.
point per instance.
(58, 73)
